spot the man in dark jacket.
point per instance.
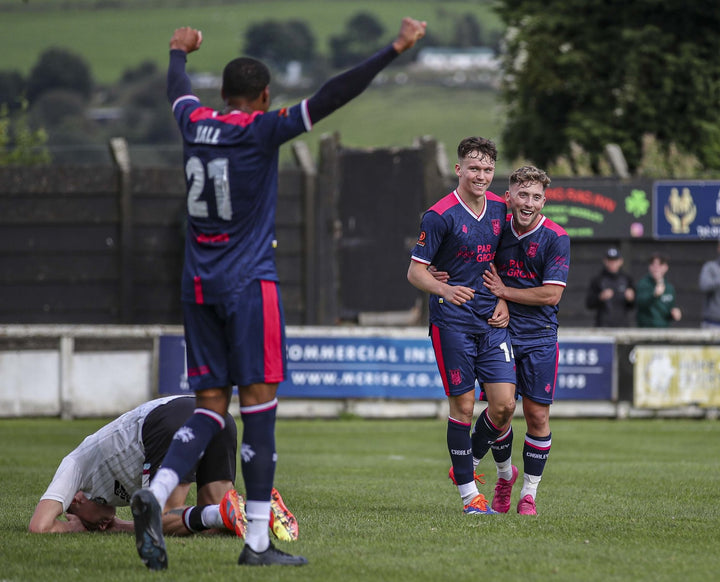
(611, 293)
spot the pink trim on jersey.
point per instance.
(454, 198)
(529, 232)
(435, 336)
(233, 118)
(197, 282)
(558, 283)
(223, 237)
(446, 202)
(555, 227)
(544, 222)
(272, 333)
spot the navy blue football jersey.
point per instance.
(231, 168)
(538, 257)
(456, 240)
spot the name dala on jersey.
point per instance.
(207, 134)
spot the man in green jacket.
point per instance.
(655, 296)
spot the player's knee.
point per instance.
(505, 411)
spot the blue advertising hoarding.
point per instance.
(688, 209)
(352, 366)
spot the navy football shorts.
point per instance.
(537, 365)
(238, 342)
(463, 358)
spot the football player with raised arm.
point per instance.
(459, 234)
(233, 316)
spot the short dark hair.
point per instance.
(528, 174)
(245, 77)
(659, 257)
(477, 144)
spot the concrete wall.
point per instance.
(102, 371)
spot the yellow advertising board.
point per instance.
(669, 376)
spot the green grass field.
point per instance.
(620, 500)
(114, 40)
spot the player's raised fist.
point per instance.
(186, 39)
(411, 31)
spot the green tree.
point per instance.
(363, 34)
(12, 86)
(280, 42)
(593, 72)
(19, 143)
(468, 32)
(59, 68)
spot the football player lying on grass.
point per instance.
(104, 471)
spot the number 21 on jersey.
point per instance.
(197, 175)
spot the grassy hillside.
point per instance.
(395, 116)
(116, 36)
(115, 39)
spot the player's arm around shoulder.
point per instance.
(547, 294)
(420, 278)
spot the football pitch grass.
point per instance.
(620, 500)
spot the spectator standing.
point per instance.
(710, 285)
(611, 293)
(655, 296)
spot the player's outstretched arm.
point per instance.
(184, 40)
(340, 89)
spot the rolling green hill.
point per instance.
(115, 39)
(114, 36)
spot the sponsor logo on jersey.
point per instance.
(121, 492)
(421, 239)
(517, 269)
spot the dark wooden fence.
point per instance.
(103, 245)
